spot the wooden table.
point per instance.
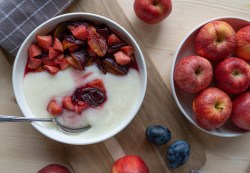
(161, 41)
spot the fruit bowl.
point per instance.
(109, 125)
(183, 99)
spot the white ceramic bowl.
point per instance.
(19, 68)
(183, 99)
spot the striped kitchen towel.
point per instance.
(19, 17)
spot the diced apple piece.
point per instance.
(34, 50)
(128, 50)
(34, 63)
(68, 104)
(53, 53)
(53, 108)
(51, 69)
(121, 58)
(57, 45)
(79, 32)
(113, 39)
(64, 64)
(44, 42)
(98, 83)
(58, 59)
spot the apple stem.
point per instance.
(217, 106)
(155, 2)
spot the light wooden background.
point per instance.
(224, 155)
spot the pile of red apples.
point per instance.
(219, 76)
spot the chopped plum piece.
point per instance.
(61, 30)
(53, 108)
(72, 39)
(98, 83)
(68, 104)
(57, 45)
(34, 50)
(96, 42)
(111, 66)
(103, 31)
(79, 32)
(48, 61)
(44, 42)
(34, 63)
(51, 69)
(66, 44)
(121, 58)
(81, 57)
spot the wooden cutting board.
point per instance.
(158, 108)
(28, 150)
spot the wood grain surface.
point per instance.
(23, 149)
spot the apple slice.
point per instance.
(51, 69)
(34, 63)
(44, 41)
(53, 108)
(79, 32)
(128, 50)
(34, 50)
(57, 45)
(53, 53)
(113, 39)
(121, 58)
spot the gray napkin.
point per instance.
(19, 17)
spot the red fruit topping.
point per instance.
(98, 83)
(48, 61)
(44, 41)
(91, 52)
(79, 32)
(81, 106)
(51, 69)
(64, 64)
(58, 59)
(34, 63)
(54, 168)
(128, 50)
(113, 39)
(68, 104)
(73, 63)
(34, 50)
(53, 53)
(96, 42)
(66, 44)
(53, 108)
(121, 58)
(57, 45)
(73, 48)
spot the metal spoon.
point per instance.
(5, 118)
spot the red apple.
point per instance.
(232, 75)
(241, 111)
(130, 164)
(152, 11)
(212, 108)
(215, 40)
(54, 168)
(193, 74)
(243, 43)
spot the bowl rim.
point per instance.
(143, 76)
(172, 83)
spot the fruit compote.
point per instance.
(84, 73)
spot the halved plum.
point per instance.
(111, 66)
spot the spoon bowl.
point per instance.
(57, 120)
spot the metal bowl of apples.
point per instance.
(210, 76)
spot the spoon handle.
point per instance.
(5, 118)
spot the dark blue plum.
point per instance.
(158, 134)
(178, 153)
